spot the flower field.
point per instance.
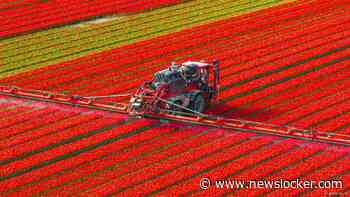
(283, 62)
(32, 15)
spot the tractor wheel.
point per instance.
(198, 103)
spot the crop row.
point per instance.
(286, 68)
(320, 80)
(21, 117)
(307, 166)
(276, 166)
(245, 164)
(24, 154)
(122, 54)
(250, 161)
(337, 123)
(314, 104)
(45, 129)
(278, 163)
(168, 179)
(44, 15)
(150, 152)
(57, 49)
(87, 160)
(48, 117)
(297, 103)
(223, 148)
(228, 161)
(9, 4)
(327, 173)
(80, 60)
(74, 82)
(145, 20)
(345, 177)
(141, 73)
(61, 147)
(138, 166)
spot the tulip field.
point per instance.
(285, 62)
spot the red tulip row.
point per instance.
(35, 122)
(302, 98)
(132, 84)
(62, 151)
(326, 173)
(345, 177)
(92, 160)
(259, 172)
(22, 150)
(43, 15)
(330, 112)
(280, 86)
(184, 35)
(284, 163)
(13, 153)
(9, 4)
(101, 83)
(70, 120)
(253, 173)
(222, 148)
(294, 104)
(233, 170)
(132, 160)
(211, 167)
(7, 110)
(336, 124)
(113, 83)
(96, 158)
(312, 107)
(83, 39)
(320, 80)
(304, 167)
(19, 118)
